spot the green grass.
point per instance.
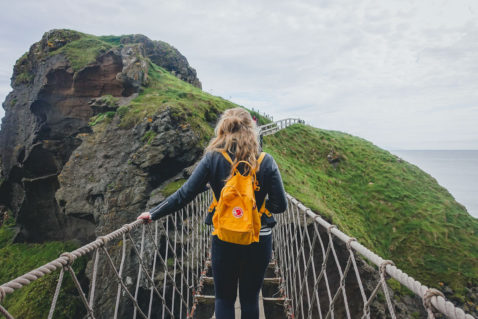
(23, 78)
(33, 301)
(391, 206)
(83, 51)
(108, 100)
(188, 105)
(101, 117)
(122, 110)
(399, 289)
(111, 39)
(172, 187)
(22, 69)
(148, 137)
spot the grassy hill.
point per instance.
(391, 206)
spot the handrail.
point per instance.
(273, 127)
(433, 300)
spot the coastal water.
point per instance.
(457, 171)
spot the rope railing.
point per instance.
(319, 278)
(183, 232)
(320, 268)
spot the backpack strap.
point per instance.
(261, 157)
(227, 157)
(213, 204)
(263, 209)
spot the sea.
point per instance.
(456, 170)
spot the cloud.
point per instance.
(401, 74)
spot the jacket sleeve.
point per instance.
(194, 185)
(277, 200)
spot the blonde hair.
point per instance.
(237, 134)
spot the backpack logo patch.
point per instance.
(237, 212)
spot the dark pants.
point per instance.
(233, 263)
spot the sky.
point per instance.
(401, 74)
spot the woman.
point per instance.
(236, 133)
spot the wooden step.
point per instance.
(272, 264)
(205, 298)
(275, 280)
(270, 270)
(204, 306)
(237, 307)
(271, 287)
(208, 286)
(274, 308)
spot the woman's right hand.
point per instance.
(146, 217)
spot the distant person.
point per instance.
(232, 264)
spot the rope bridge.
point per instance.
(317, 271)
(183, 273)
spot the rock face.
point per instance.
(166, 56)
(49, 110)
(63, 178)
(112, 176)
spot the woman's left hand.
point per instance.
(146, 216)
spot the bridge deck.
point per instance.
(237, 308)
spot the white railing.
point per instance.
(276, 126)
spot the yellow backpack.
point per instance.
(237, 219)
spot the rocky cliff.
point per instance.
(94, 128)
(65, 79)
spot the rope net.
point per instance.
(322, 269)
(168, 271)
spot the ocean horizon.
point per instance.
(456, 170)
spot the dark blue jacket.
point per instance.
(215, 169)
